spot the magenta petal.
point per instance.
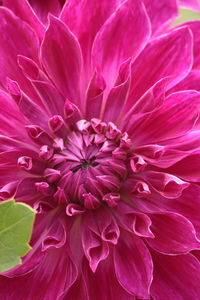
(186, 207)
(176, 117)
(107, 225)
(16, 37)
(93, 15)
(191, 4)
(55, 238)
(42, 282)
(50, 97)
(10, 114)
(159, 62)
(104, 277)
(174, 234)
(134, 221)
(43, 8)
(115, 100)
(161, 13)
(194, 26)
(166, 184)
(191, 82)
(115, 42)
(60, 45)
(94, 247)
(39, 268)
(176, 277)
(29, 109)
(23, 10)
(133, 265)
(94, 96)
(188, 167)
(77, 291)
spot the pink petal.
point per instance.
(191, 82)
(186, 207)
(116, 42)
(94, 248)
(16, 37)
(77, 291)
(30, 110)
(133, 265)
(116, 101)
(43, 8)
(60, 45)
(23, 10)
(191, 4)
(166, 184)
(134, 221)
(188, 167)
(107, 225)
(103, 278)
(176, 277)
(159, 62)
(176, 117)
(51, 99)
(51, 286)
(94, 96)
(161, 13)
(93, 15)
(194, 26)
(174, 234)
(11, 115)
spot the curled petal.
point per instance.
(166, 184)
(94, 248)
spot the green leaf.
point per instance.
(16, 223)
(186, 15)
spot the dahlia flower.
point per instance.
(100, 134)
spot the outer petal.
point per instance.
(60, 48)
(16, 37)
(193, 4)
(133, 265)
(104, 278)
(38, 278)
(169, 55)
(94, 96)
(175, 118)
(117, 97)
(77, 291)
(191, 82)
(50, 97)
(116, 41)
(42, 8)
(188, 167)
(23, 10)
(176, 277)
(11, 115)
(194, 26)
(161, 13)
(92, 14)
(186, 207)
(41, 283)
(174, 234)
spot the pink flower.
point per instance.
(100, 133)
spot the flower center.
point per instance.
(83, 168)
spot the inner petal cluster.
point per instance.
(83, 168)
